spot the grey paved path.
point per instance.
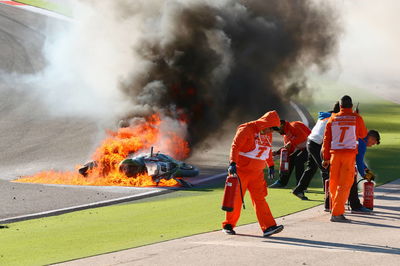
(308, 239)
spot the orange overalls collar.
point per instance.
(346, 110)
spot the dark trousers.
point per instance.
(353, 196)
(296, 162)
(314, 161)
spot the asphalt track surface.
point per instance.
(31, 140)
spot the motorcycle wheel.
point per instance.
(186, 170)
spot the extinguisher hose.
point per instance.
(241, 191)
(362, 179)
(358, 182)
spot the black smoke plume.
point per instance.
(221, 59)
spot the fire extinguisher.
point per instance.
(368, 195)
(284, 161)
(232, 184)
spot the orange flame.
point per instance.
(115, 148)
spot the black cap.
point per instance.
(336, 108)
(375, 134)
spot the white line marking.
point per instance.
(208, 178)
(84, 206)
(301, 114)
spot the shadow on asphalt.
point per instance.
(391, 208)
(372, 216)
(387, 198)
(376, 215)
(254, 236)
(387, 215)
(331, 245)
(374, 224)
(385, 190)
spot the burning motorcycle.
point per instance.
(157, 165)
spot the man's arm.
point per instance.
(238, 141)
(300, 133)
(362, 148)
(287, 144)
(362, 130)
(326, 145)
(270, 160)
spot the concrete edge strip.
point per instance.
(146, 194)
(85, 206)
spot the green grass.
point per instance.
(183, 213)
(48, 5)
(96, 231)
(382, 159)
(378, 114)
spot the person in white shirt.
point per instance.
(314, 160)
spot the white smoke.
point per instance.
(119, 58)
(369, 50)
(88, 60)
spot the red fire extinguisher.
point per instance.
(232, 185)
(368, 195)
(284, 161)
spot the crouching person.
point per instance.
(370, 140)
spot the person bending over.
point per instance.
(373, 138)
(251, 152)
(294, 139)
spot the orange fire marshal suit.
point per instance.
(340, 147)
(296, 133)
(252, 152)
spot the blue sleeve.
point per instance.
(362, 148)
